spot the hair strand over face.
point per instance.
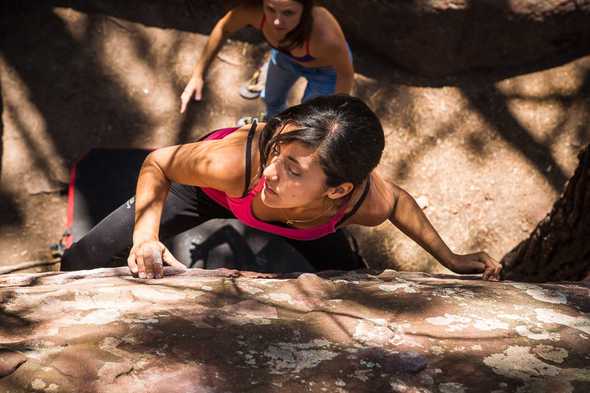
(302, 32)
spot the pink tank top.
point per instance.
(241, 207)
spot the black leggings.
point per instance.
(186, 207)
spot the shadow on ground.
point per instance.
(83, 103)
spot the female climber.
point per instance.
(305, 174)
(306, 41)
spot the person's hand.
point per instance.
(194, 88)
(479, 262)
(146, 259)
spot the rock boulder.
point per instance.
(444, 37)
(103, 331)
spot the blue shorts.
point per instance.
(282, 74)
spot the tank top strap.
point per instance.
(249, 139)
(358, 203)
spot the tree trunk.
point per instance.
(559, 247)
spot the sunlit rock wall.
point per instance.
(217, 331)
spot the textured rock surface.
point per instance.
(442, 37)
(218, 331)
(490, 157)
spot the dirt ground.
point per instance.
(485, 157)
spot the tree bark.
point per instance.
(559, 247)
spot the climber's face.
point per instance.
(283, 15)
